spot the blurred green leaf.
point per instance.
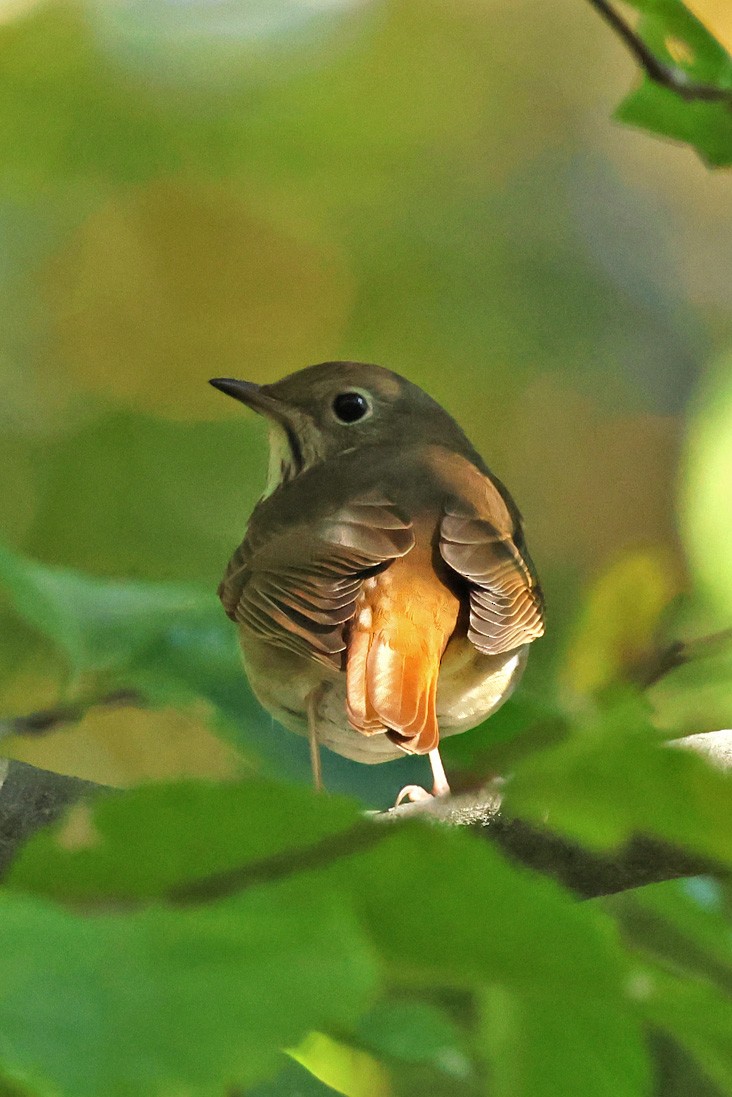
(677, 37)
(443, 908)
(440, 909)
(293, 1080)
(677, 1073)
(619, 620)
(100, 625)
(347, 1070)
(679, 923)
(170, 641)
(412, 1031)
(165, 1001)
(614, 777)
(697, 1015)
(530, 1045)
(179, 832)
(705, 501)
(697, 696)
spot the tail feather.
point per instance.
(360, 711)
(392, 691)
(399, 632)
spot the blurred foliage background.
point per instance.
(196, 189)
(202, 189)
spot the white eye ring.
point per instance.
(351, 406)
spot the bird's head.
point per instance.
(325, 411)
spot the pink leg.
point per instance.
(440, 786)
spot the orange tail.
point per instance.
(396, 643)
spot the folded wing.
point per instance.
(298, 588)
(483, 543)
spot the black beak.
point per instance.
(248, 393)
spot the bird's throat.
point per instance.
(286, 459)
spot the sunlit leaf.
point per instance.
(347, 1070)
(705, 505)
(619, 621)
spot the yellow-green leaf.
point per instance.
(347, 1070)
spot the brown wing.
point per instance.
(486, 547)
(299, 588)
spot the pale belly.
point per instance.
(470, 687)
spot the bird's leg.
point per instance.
(315, 762)
(440, 786)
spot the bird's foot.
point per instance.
(413, 793)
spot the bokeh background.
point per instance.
(201, 189)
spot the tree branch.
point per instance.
(31, 798)
(668, 76)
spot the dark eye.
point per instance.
(350, 406)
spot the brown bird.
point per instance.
(383, 591)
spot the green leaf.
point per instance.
(678, 38)
(679, 923)
(414, 1032)
(614, 777)
(697, 1015)
(170, 641)
(441, 909)
(347, 1070)
(531, 1044)
(619, 620)
(178, 832)
(292, 1081)
(696, 697)
(100, 625)
(444, 909)
(166, 1001)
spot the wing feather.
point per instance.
(486, 549)
(299, 588)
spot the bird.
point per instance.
(383, 592)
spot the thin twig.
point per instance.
(668, 76)
(45, 721)
(681, 652)
(221, 885)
